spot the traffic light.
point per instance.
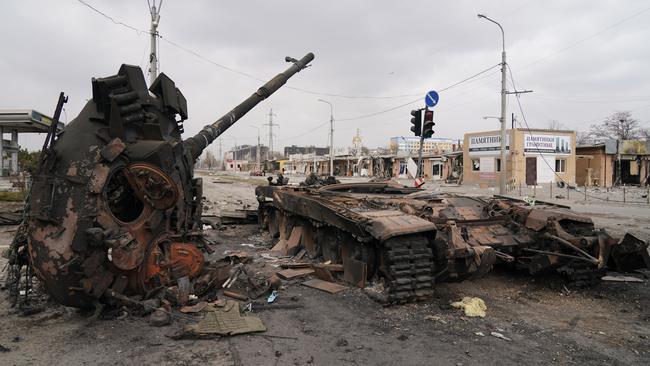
(427, 131)
(416, 121)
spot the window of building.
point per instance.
(498, 164)
(560, 165)
(476, 165)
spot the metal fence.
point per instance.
(554, 191)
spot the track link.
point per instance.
(408, 266)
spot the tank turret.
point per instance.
(115, 207)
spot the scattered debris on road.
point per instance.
(473, 306)
(500, 336)
(222, 318)
(619, 278)
(326, 286)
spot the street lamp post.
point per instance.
(503, 176)
(331, 135)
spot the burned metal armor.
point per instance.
(115, 209)
(117, 192)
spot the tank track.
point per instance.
(409, 269)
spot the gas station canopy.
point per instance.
(25, 121)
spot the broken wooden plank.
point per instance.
(321, 272)
(291, 245)
(289, 274)
(280, 247)
(300, 254)
(330, 287)
(238, 217)
(334, 267)
(355, 272)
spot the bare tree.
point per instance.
(618, 126)
(554, 124)
(644, 133)
(583, 138)
(209, 160)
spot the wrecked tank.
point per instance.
(409, 239)
(115, 209)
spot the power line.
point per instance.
(523, 115)
(306, 91)
(256, 78)
(418, 99)
(601, 101)
(230, 69)
(351, 96)
(113, 20)
(194, 53)
(587, 38)
(305, 133)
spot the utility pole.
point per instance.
(269, 154)
(504, 169)
(331, 136)
(503, 175)
(332, 144)
(153, 56)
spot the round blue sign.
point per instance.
(431, 99)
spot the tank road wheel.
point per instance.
(408, 267)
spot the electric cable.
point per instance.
(113, 20)
(256, 78)
(594, 35)
(418, 99)
(523, 115)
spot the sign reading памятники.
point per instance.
(550, 144)
(487, 145)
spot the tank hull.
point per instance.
(409, 239)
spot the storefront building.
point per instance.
(534, 156)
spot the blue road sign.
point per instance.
(431, 99)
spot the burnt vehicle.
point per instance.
(114, 209)
(411, 238)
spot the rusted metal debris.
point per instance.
(115, 209)
(411, 238)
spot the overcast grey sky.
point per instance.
(583, 59)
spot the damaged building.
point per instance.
(613, 162)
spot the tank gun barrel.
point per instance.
(209, 133)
